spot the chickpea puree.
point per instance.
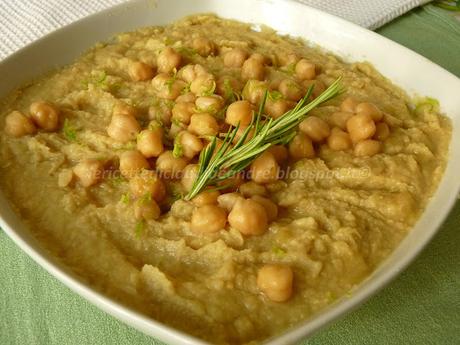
(97, 158)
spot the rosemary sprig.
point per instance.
(219, 163)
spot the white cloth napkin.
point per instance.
(370, 14)
(23, 21)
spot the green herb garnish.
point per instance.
(230, 94)
(178, 150)
(169, 83)
(186, 89)
(210, 90)
(117, 180)
(278, 251)
(125, 199)
(100, 81)
(130, 146)
(211, 109)
(186, 51)
(102, 78)
(155, 124)
(69, 131)
(275, 95)
(427, 103)
(289, 69)
(218, 164)
(176, 122)
(139, 229)
(145, 199)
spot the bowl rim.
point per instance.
(373, 283)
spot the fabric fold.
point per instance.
(23, 21)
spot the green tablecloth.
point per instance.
(422, 306)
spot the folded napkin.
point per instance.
(370, 14)
(23, 21)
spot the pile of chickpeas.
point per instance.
(203, 108)
(42, 115)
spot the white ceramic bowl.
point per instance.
(405, 68)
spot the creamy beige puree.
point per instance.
(241, 267)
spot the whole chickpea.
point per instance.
(253, 69)
(123, 128)
(45, 115)
(167, 87)
(349, 105)
(190, 72)
(150, 142)
(290, 90)
(251, 188)
(209, 104)
(207, 197)
(264, 169)
(208, 219)
(261, 58)
(231, 183)
(203, 46)
(175, 129)
(382, 131)
(304, 69)
(276, 281)
(235, 57)
(339, 119)
(182, 112)
(189, 176)
(228, 86)
(160, 112)
(132, 162)
(280, 153)
(89, 172)
(190, 143)
(270, 207)
(369, 109)
(254, 91)
(367, 147)
(139, 71)
(168, 60)
(248, 217)
(203, 85)
(18, 125)
(339, 140)
(147, 183)
(169, 166)
(203, 124)
(228, 200)
(239, 112)
(240, 132)
(277, 108)
(188, 97)
(147, 209)
(301, 146)
(286, 59)
(160, 81)
(360, 127)
(318, 87)
(316, 128)
(121, 108)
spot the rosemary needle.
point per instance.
(217, 164)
